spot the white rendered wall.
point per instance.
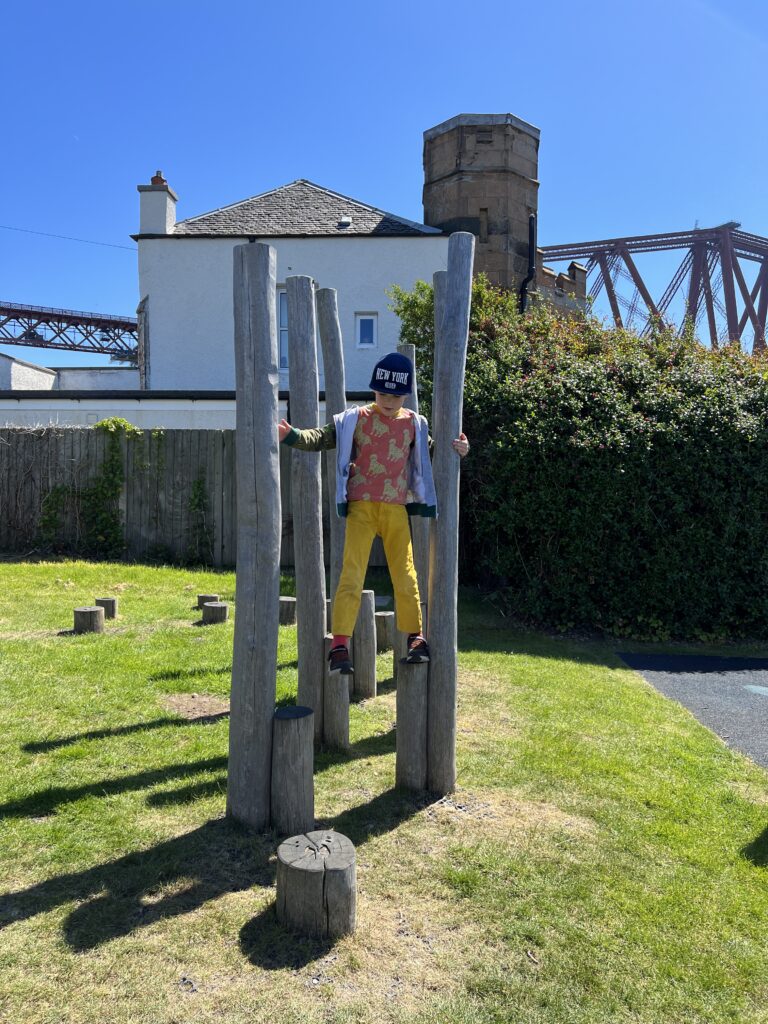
(98, 378)
(189, 284)
(16, 375)
(149, 414)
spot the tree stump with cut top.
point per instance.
(316, 884)
(293, 786)
(109, 604)
(203, 599)
(215, 611)
(287, 611)
(89, 619)
(385, 631)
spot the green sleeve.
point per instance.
(315, 439)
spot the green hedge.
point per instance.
(614, 482)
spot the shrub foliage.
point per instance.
(614, 481)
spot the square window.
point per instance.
(282, 328)
(366, 329)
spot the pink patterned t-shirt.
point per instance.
(382, 445)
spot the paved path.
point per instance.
(728, 695)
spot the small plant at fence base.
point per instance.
(616, 482)
(201, 546)
(95, 507)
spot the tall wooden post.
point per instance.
(306, 495)
(335, 402)
(254, 661)
(419, 525)
(447, 397)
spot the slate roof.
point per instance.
(301, 208)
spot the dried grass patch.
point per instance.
(195, 706)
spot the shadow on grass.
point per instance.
(170, 879)
(757, 850)
(188, 673)
(46, 801)
(44, 746)
(371, 746)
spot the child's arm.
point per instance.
(461, 444)
(316, 439)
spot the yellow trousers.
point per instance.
(366, 520)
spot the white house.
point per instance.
(185, 277)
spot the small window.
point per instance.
(365, 329)
(483, 224)
(282, 328)
(485, 135)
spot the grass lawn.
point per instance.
(604, 859)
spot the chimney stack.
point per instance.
(157, 207)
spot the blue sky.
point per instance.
(651, 116)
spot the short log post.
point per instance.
(365, 647)
(411, 731)
(335, 705)
(109, 604)
(259, 530)
(89, 619)
(332, 346)
(450, 359)
(287, 611)
(293, 792)
(306, 495)
(385, 631)
(205, 598)
(215, 611)
(316, 885)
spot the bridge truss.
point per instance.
(42, 327)
(720, 285)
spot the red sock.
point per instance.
(339, 640)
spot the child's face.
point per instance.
(390, 405)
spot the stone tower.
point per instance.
(481, 175)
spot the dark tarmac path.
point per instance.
(728, 695)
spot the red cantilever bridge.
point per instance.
(720, 284)
(43, 327)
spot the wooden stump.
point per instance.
(316, 884)
(411, 731)
(215, 611)
(203, 599)
(385, 631)
(287, 611)
(109, 604)
(335, 705)
(365, 647)
(89, 620)
(399, 651)
(293, 792)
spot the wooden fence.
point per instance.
(177, 501)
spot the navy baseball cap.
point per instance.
(393, 375)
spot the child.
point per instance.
(383, 459)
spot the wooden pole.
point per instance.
(447, 397)
(254, 662)
(365, 647)
(335, 705)
(293, 784)
(306, 495)
(411, 732)
(335, 402)
(419, 525)
(287, 611)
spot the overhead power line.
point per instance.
(69, 238)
